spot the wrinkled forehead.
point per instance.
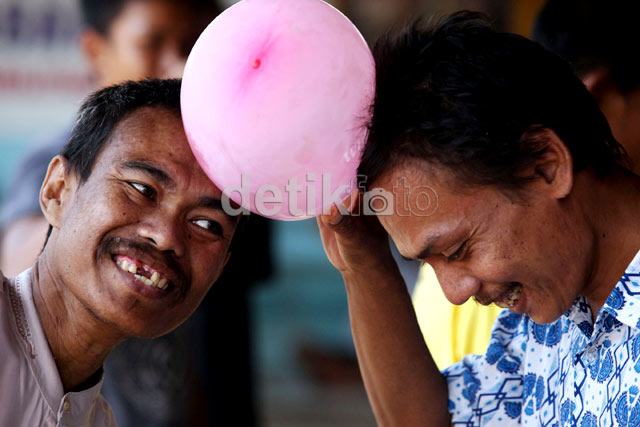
(427, 206)
(156, 136)
(147, 124)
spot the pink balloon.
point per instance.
(279, 91)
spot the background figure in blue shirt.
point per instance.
(200, 373)
(536, 211)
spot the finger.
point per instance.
(329, 243)
(345, 225)
(334, 217)
(326, 234)
(345, 208)
(352, 202)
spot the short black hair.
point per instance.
(99, 14)
(101, 113)
(593, 34)
(461, 95)
(103, 110)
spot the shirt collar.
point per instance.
(35, 347)
(624, 301)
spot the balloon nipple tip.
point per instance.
(256, 64)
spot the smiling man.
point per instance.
(137, 238)
(536, 212)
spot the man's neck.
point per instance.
(79, 341)
(614, 210)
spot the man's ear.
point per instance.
(555, 164)
(56, 190)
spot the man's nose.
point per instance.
(164, 234)
(457, 285)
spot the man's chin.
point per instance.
(132, 323)
(139, 328)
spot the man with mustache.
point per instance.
(536, 211)
(137, 237)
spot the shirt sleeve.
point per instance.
(487, 390)
(23, 194)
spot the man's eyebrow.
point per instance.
(214, 203)
(210, 202)
(150, 169)
(427, 248)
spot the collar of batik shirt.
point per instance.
(622, 305)
(624, 301)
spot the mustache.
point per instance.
(482, 300)
(112, 244)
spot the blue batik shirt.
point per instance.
(568, 373)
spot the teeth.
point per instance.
(154, 280)
(162, 284)
(511, 298)
(128, 266)
(144, 280)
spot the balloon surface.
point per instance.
(275, 101)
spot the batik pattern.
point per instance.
(568, 373)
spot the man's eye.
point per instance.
(143, 189)
(456, 255)
(209, 225)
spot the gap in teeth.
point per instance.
(513, 295)
(154, 280)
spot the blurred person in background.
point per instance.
(145, 380)
(600, 40)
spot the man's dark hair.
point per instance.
(592, 35)
(100, 114)
(103, 110)
(99, 14)
(461, 95)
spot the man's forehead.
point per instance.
(151, 132)
(152, 140)
(416, 237)
(169, 17)
(433, 212)
(420, 173)
(150, 119)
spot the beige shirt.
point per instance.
(31, 392)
